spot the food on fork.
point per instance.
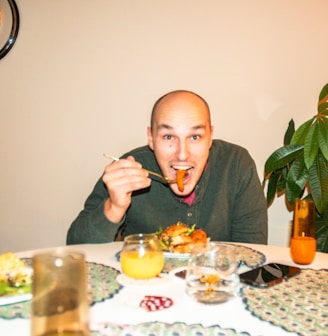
(13, 274)
(179, 237)
(181, 173)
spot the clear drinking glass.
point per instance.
(142, 256)
(59, 304)
(212, 274)
(303, 242)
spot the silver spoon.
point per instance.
(164, 178)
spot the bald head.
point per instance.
(179, 98)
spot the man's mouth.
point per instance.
(187, 169)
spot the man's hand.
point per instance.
(121, 178)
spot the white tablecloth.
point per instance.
(123, 307)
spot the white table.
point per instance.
(122, 308)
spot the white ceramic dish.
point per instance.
(176, 255)
(5, 300)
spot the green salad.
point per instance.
(7, 290)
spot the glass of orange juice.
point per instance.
(141, 256)
(303, 242)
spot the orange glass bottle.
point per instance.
(303, 242)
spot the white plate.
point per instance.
(176, 255)
(5, 300)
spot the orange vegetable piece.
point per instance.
(181, 173)
(199, 236)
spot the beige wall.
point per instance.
(83, 76)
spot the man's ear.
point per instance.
(150, 138)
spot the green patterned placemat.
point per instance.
(102, 285)
(164, 329)
(245, 256)
(298, 305)
(248, 256)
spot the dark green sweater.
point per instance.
(229, 205)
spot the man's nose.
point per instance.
(182, 150)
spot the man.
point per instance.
(222, 193)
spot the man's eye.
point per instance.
(195, 137)
(168, 137)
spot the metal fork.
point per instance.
(164, 178)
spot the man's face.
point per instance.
(181, 137)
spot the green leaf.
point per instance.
(311, 146)
(6, 289)
(296, 180)
(281, 157)
(322, 136)
(281, 185)
(323, 108)
(322, 232)
(298, 174)
(318, 181)
(293, 193)
(272, 187)
(301, 133)
(289, 132)
(323, 101)
(324, 92)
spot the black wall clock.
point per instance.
(9, 25)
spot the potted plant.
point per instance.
(299, 169)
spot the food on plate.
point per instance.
(181, 173)
(15, 277)
(180, 237)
